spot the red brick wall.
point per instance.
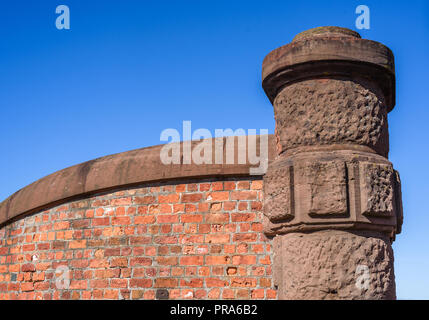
(199, 240)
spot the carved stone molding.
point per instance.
(332, 191)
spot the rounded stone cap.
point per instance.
(329, 52)
(328, 31)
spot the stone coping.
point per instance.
(117, 171)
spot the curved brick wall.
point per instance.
(128, 226)
(200, 240)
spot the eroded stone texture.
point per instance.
(377, 189)
(322, 185)
(333, 265)
(278, 194)
(331, 111)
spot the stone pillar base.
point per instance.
(334, 264)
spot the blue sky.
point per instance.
(126, 70)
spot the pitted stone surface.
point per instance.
(278, 191)
(331, 111)
(377, 189)
(333, 265)
(323, 185)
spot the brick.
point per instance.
(247, 237)
(167, 261)
(191, 197)
(59, 245)
(61, 225)
(15, 267)
(166, 282)
(216, 282)
(217, 217)
(77, 244)
(98, 263)
(78, 284)
(243, 185)
(217, 238)
(144, 200)
(140, 240)
(214, 294)
(112, 252)
(256, 205)
(244, 195)
(186, 218)
(193, 283)
(119, 262)
(205, 186)
(271, 294)
(119, 283)
(243, 282)
(229, 185)
(181, 188)
(217, 186)
(79, 264)
(256, 185)
(147, 219)
(100, 203)
(141, 261)
(121, 220)
(99, 283)
(43, 246)
(121, 201)
(167, 219)
(245, 259)
(216, 260)
(170, 198)
(27, 286)
(28, 267)
(192, 187)
(192, 260)
(101, 221)
(215, 206)
(28, 247)
(166, 239)
(218, 196)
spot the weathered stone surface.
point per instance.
(278, 194)
(376, 189)
(333, 265)
(323, 187)
(331, 111)
(332, 190)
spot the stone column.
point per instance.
(332, 200)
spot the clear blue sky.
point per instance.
(126, 70)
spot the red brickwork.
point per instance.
(200, 240)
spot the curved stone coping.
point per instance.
(118, 171)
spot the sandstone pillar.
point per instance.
(332, 200)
